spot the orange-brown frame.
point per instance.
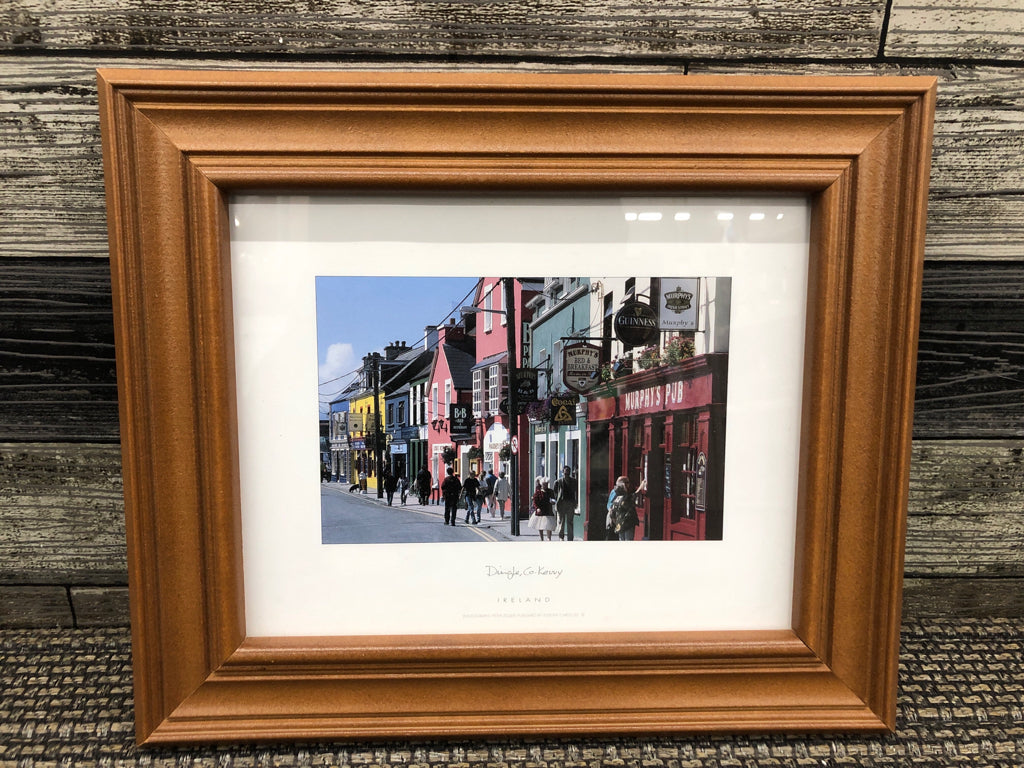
(177, 143)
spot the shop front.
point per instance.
(665, 425)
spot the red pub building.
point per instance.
(665, 425)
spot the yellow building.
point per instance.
(361, 435)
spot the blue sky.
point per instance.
(359, 315)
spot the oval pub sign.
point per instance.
(636, 324)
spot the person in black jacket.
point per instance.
(472, 488)
(450, 490)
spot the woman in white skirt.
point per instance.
(543, 517)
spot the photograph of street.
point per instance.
(558, 409)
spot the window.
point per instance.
(478, 392)
(401, 412)
(494, 388)
(488, 306)
(433, 401)
(447, 397)
(390, 418)
(501, 302)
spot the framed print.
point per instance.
(728, 377)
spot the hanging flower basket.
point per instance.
(650, 357)
(539, 410)
(505, 452)
(677, 349)
(448, 454)
(474, 453)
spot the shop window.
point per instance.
(478, 392)
(494, 379)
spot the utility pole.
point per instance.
(508, 285)
(378, 433)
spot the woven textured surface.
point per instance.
(66, 700)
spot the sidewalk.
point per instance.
(500, 529)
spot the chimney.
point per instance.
(393, 350)
(430, 337)
(451, 332)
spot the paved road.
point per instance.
(352, 518)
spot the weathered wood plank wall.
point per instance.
(62, 547)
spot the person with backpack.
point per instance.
(622, 501)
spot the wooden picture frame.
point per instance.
(176, 143)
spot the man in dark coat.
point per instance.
(566, 500)
(450, 490)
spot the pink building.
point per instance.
(449, 382)
(489, 372)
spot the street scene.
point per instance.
(355, 518)
(522, 409)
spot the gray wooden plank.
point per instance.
(57, 371)
(966, 509)
(61, 514)
(559, 29)
(960, 29)
(34, 607)
(963, 597)
(100, 606)
(970, 375)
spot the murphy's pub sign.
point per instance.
(680, 297)
(581, 364)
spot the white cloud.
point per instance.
(339, 361)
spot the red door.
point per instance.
(683, 520)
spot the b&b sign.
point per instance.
(580, 365)
(460, 419)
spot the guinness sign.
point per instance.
(636, 324)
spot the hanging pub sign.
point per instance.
(356, 423)
(636, 324)
(460, 419)
(581, 364)
(563, 409)
(525, 382)
(680, 297)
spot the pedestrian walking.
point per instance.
(403, 488)
(487, 490)
(622, 517)
(542, 518)
(451, 488)
(502, 491)
(566, 501)
(472, 490)
(423, 480)
(362, 481)
(390, 485)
